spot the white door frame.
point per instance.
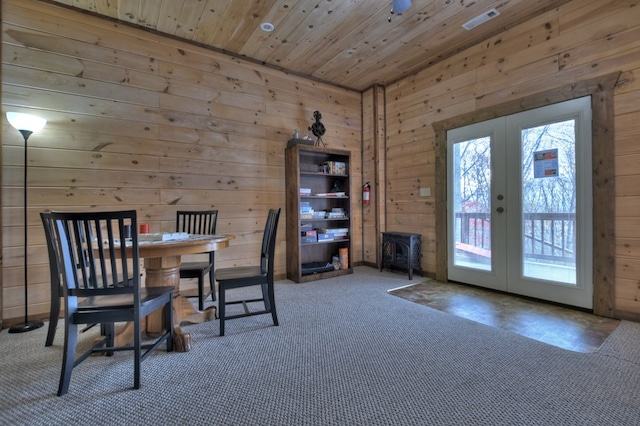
(601, 88)
(506, 271)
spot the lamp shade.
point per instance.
(26, 122)
(400, 6)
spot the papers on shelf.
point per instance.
(330, 194)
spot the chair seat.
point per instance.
(241, 273)
(123, 300)
(150, 299)
(193, 269)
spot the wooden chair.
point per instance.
(245, 276)
(55, 278)
(97, 289)
(202, 223)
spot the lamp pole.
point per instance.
(26, 124)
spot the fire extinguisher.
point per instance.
(366, 191)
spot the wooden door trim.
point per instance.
(601, 91)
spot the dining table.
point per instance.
(162, 261)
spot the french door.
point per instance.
(519, 203)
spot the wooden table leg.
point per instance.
(165, 271)
(162, 271)
(190, 315)
(124, 335)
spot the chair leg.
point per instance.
(201, 296)
(212, 283)
(265, 297)
(109, 331)
(53, 319)
(221, 307)
(168, 319)
(68, 357)
(272, 304)
(137, 352)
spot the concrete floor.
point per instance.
(561, 326)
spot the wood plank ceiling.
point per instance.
(349, 43)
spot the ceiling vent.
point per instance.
(481, 19)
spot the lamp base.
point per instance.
(27, 326)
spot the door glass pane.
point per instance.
(472, 203)
(549, 202)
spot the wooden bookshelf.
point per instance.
(318, 190)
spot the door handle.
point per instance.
(500, 209)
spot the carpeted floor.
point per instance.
(564, 327)
(346, 353)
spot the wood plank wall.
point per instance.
(583, 39)
(140, 121)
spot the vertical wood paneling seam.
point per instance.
(362, 169)
(1, 168)
(379, 91)
(376, 177)
(383, 148)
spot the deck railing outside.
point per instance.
(548, 237)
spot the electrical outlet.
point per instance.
(425, 192)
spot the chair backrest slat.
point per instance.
(267, 252)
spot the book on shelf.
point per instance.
(335, 167)
(337, 213)
(305, 208)
(333, 215)
(325, 237)
(332, 234)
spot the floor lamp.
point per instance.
(26, 124)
